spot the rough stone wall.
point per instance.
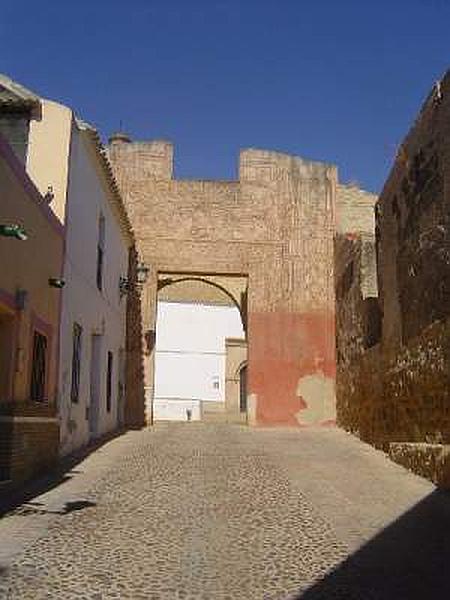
(134, 414)
(275, 225)
(416, 378)
(358, 317)
(396, 394)
(358, 325)
(413, 223)
(353, 335)
(427, 460)
(413, 235)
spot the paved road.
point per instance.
(193, 511)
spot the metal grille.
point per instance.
(38, 373)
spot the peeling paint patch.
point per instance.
(284, 348)
(252, 403)
(318, 393)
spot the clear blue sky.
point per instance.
(332, 80)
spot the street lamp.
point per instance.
(142, 272)
(14, 231)
(56, 282)
(126, 286)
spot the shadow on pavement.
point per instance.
(11, 499)
(408, 560)
(38, 508)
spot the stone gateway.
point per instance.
(275, 227)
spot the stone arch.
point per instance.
(275, 225)
(193, 290)
(166, 281)
(242, 365)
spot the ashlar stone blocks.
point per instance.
(275, 225)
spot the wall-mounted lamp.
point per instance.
(49, 195)
(142, 272)
(125, 286)
(14, 231)
(56, 282)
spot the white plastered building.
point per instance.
(67, 162)
(190, 359)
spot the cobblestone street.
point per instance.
(215, 511)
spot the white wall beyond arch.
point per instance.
(190, 356)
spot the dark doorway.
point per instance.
(243, 389)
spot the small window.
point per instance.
(215, 382)
(76, 362)
(100, 251)
(39, 367)
(109, 381)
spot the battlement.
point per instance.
(155, 159)
(272, 167)
(143, 159)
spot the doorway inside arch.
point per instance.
(196, 317)
(243, 389)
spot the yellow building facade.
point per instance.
(31, 258)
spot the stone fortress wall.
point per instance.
(347, 293)
(394, 390)
(275, 225)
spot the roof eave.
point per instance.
(125, 223)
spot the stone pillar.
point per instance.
(149, 309)
(291, 296)
(134, 414)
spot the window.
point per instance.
(109, 381)
(100, 251)
(14, 126)
(39, 366)
(76, 362)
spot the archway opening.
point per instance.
(196, 316)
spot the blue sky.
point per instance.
(333, 80)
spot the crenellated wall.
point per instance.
(276, 226)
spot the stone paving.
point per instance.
(196, 511)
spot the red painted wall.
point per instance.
(284, 347)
